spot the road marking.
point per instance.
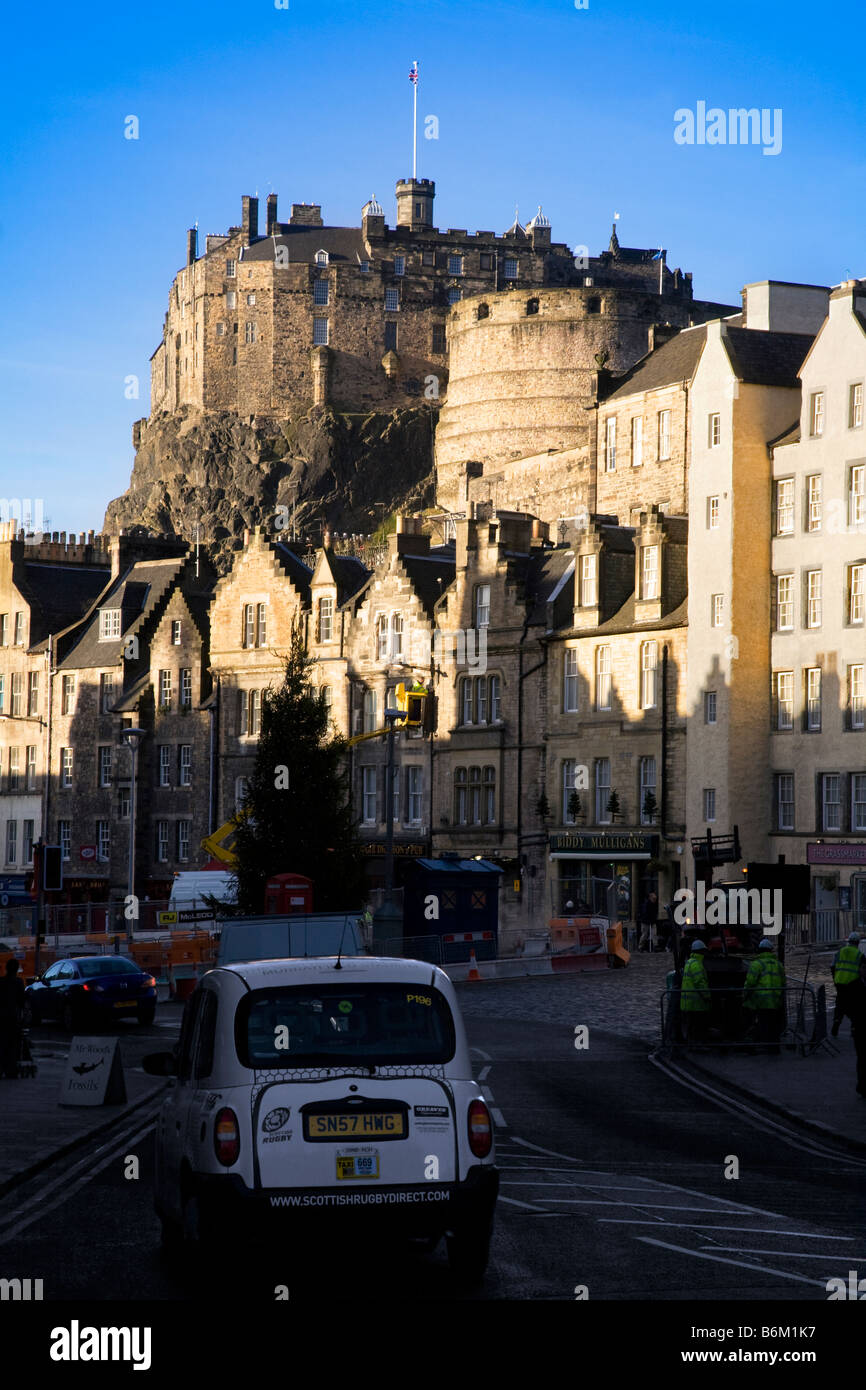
(484, 1073)
(603, 1202)
(485, 1056)
(705, 1226)
(513, 1202)
(551, 1153)
(498, 1118)
(487, 1094)
(741, 1264)
(793, 1254)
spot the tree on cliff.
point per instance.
(297, 813)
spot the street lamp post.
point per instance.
(388, 919)
(133, 738)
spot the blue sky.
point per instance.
(537, 103)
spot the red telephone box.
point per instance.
(288, 893)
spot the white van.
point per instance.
(321, 1090)
(193, 886)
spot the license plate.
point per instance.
(125, 1004)
(363, 1164)
(367, 1125)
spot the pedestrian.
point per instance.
(695, 998)
(11, 1013)
(849, 968)
(648, 918)
(856, 1010)
(764, 994)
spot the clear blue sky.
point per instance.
(537, 102)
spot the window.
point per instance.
(709, 804)
(637, 442)
(816, 413)
(649, 575)
(400, 266)
(183, 841)
(475, 796)
(64, 838)
(261, 624)
(569, 787)
(248, 625)
(481, 700)
(32, 692)
(461, 799)
(321, 258)
(855, 405)
(371, 722)
(320, 332)
(815, 504)
(17, 695)
(709, 707)
(230, 269)
(714, 431)
(106, 691)
(364, 267)
(368, 795)
(105, 766)
(220, 330)
(175, 632)
(4, 629)
(784, 699)
(162, 841)
(2, 693)
(647, 789)
(165, 766)
(784, 506)
(717, 610)
(390, 335)
(66, 762)
(251, 299)
(602, 791)
(395, 795)
(392, 299)
(588, 581)
(231, 299)
(165, 690)
(648, 674)
(610, 444)
(254, 713)
(664, 434)
(241, 788)
(784, 602)
(813, 699)
(855, 697)
(495, 700)
(186, 687)
(320, 291)
(123, 803)
(326, 619)
(30, 767)
(831, 801)
(855, 593)
(784, 799)
(27, 843)
(858, 801)
(184, 768)
(428, 258)
(488, 796)
(67, 695)
(396, 636)
(486, 262)
(467, 703)
(109, 624)
(509, 268)
(249, 332)
(713, 513)
(11, 842)
(328, 697)
(857, 495)
(438, 343)
(569, 681)
(482, 605)
(19, 629)
(414, 790)
(602, 678)
(103, 839)
(813, 598)
(455, 265)
(455, 294)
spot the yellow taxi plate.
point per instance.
(357, 1165)
(366, 1125)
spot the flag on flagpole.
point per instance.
(413, 74)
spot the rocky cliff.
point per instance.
(221, 473)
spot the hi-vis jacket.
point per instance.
(765, 983)
(695, 988)
(846, 965)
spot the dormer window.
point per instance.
(326, 619)
(365, 267)
(109, 624)
(321, 258)
(649, 582)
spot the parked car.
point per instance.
(83, 989)
(324, 1090)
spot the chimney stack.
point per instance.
(191, 245)
(272, 214)
(249, 219)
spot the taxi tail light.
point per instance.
(480, 1129)
(227, 1137)
(148, 982)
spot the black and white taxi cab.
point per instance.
(325, 1088)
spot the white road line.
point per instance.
(741, 1264)
(793, 1254)
(484, 1073)
(498, 1118)
(513, 1202)
(487, 1094)
(551, 1153)
(485, 1056)
(705, 1226)
(603, 1202)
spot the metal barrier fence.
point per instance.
(822, 925)
(411, 947)
(800, 1021)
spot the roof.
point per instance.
(674, 362)
(135, 593)
(60, 594)
(764, 358)
(430, 576)
(299, 573)
(260, 973)
(459, 866)
(789, 436)
(350, 574)
(343, 244)
(545, 572)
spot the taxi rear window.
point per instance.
(335, 1025)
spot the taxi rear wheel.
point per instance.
(469, 1251)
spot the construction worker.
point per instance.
(695, 998)
(764, 993)
(849, 967)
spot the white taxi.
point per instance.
(325, 1088)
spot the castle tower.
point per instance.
(415, 204)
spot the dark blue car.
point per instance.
(85, 989)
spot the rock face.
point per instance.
(223, 474)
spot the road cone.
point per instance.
(474, 972)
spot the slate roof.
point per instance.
(343, 244)
(59, 594)
(544, 570)
(673, 362)
(789, 436)
(135, 594)
(430, 576)
(762, 358)
(350, 573)
(299, 573)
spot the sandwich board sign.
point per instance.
(94, 1073)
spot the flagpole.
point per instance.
(661, 264)
(415, 125)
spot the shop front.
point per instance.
(608, 873)
(405, 852)
(838, 884)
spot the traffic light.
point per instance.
(52, 868)
(413, 703)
